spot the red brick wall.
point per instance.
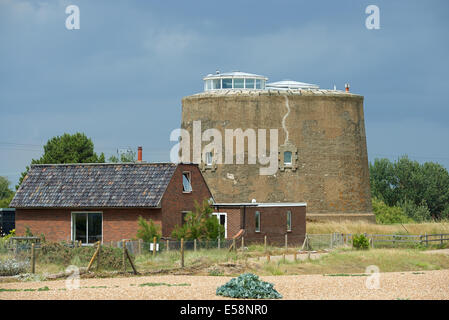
(55, 224)
(175, 201)
(233, 218)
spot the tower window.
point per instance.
(208, 157)
(287, 158)
(227, 83)
(289, 220)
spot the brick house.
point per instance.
(256, 220)
(92, 202)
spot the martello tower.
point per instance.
(321, 157)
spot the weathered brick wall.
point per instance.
(328, 131)
(233, 217)
(175, 201)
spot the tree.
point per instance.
(412, 186)
(200, 224)
(6, 194)
(147, 230)
(128, 156)
(76, 148)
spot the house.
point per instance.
(255, 220)
(102, 201)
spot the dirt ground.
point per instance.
(395, 285)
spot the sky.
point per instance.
(120, 78)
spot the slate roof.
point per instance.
(94, 185)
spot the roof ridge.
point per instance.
(101, 164)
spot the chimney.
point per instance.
(139, 154)
(347, 87)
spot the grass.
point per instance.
(350, 262)
(371, 228)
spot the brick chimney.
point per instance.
(347, 87)
(139, 154)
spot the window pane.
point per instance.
(186, 186)
(258, 84)
(257, 221)
(80, 227)
(94, 227)
(209, 158)
(227, 83)
(289, 220)
(216, 84)
(287, 157)
(238, 83)
(249, 83)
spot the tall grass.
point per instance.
(371, 228)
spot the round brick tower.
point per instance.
(321, 153)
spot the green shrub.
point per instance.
(248, 286)
(148, 230)
(360, 242)
(388, 215)
(418, 213)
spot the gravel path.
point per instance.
(394, 285)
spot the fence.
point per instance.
(403, 240)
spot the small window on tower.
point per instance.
(287, 158)
(257, 218)
(289, 220)
(209, 158)
(186, 182)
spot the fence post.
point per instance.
(268, 257)
(332, 240)
(140, 246)
(182, 252)
(286, 242)
(33, 259)
(233, 244)
(194, 245)
(154, 246)
(441, 239)
(124, 255)
(243, 243)
(98, 255)
(427, 240)
(168, 245)
(218, 243)
(295, 257)
(265, 242)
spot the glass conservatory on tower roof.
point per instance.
(234, 80)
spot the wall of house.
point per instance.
(233, 219)
(55, 224)
(273, 224)
(175, 201)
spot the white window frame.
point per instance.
(218, 214)
(190, 180)
(289, 228)
(87, 226)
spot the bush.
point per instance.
(12, 267)
(388, 215)
(360, 242)
(248, 286)
(418, 213)
(148, 230)
(200, 224)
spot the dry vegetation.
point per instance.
(371, 228)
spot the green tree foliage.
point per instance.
(6, 194)
(68, 148)
(147, 230)
(129, 156)
(200, 224)
(405, 181)
(388, 215)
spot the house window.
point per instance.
(257, 218)
(289, 220)
(186, 182)
(87, 227)
(222, 217)
(183, 217)
(287, 158)
(209, 157)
